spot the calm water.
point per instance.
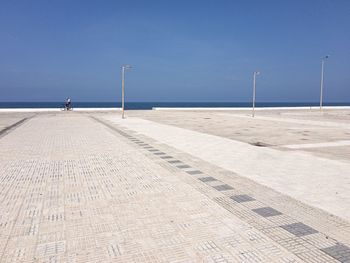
(149, 105)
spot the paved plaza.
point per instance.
(163, 186)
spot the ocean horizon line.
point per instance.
(149, 105)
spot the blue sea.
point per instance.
(149, 105)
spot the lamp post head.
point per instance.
(325, 57)
(256, 73)
(126, 66)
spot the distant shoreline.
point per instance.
(12, 110)
(162, 105)
(4, 110)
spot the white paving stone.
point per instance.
(71, 190)
(316, 181)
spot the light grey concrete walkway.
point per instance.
(73, 190)
(318, 145)
(316, 181)
(293, 120)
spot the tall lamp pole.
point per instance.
(254, 90)
(124, 67)
(322, 76)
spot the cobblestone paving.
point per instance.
(74, 190)
(302, 240)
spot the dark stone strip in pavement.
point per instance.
(207, 179)
(174, 161)
(267, 211)
(166, 157)
(183, 166)
(194, 172)
(299, 229)
(242, 198)
(110, 126)
(223, 187)
(153, 150)
(158, 153)
(340, 252)
(12, 127)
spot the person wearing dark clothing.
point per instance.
(68, 104)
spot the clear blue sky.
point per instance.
(180, 50)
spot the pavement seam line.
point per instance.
(266, 213)
(13, 126)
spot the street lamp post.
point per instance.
(254, 89)
(124, 67)
(322, 76)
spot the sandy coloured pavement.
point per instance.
(90, 187)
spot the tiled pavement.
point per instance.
(334, 230)
(8, 124)
(316, 181)
(73, 189)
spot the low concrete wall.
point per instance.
(56, 109)
(249, 109)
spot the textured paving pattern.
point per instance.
(339, 252)
(8, 125)
(267, 211)
(242, 198)
(299, 229)
(93, 196)
(310, 249)
(276, 128)
(292, 173)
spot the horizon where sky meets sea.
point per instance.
(179, 50)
